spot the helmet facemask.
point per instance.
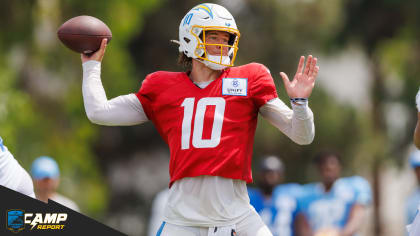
(218, 61)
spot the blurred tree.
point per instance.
(387, 30)
(41, 109)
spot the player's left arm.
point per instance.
(355, 221)
(297, 123)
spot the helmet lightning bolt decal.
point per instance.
(205, 8)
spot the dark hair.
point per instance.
(184, 61)
(322, 157)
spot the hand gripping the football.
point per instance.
(98, 55)
(304, 81)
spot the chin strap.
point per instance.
(215, 66)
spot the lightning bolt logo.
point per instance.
(33, 224)
(205, 8)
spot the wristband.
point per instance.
(299, 101)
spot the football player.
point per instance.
(12, 175)
(275, 201)
(336, 206)
(270, 174)
(207, 116)
(46, 175)
(285, 197)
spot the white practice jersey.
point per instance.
(12, 175)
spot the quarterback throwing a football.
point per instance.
(208, 116)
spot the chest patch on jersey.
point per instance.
(235, 86)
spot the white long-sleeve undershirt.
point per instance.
(121, 110)
(297, 124)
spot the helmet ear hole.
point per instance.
(187, 39)
(232, 38)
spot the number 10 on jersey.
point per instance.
(197, 136)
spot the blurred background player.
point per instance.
(46, 176)
(336, 206)
(414, 199)
(273, 200)
(12, 175)
(270, 174)
(285, 197)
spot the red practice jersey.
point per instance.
(209, 131)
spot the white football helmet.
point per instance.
(192, 30)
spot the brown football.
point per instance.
(83, 34)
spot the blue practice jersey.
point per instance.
(331, 210)
(264, 206)
(411, 206)
(361, 187)
(278, 212)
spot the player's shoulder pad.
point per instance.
(353, 180)
(312, 188)
(160, 80)
(358, 178)
(160, 76)
(254, 67)
(360, 182)
(287, 186)
(308, 193)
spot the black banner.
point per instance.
(23, 215)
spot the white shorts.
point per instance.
(252, 225)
